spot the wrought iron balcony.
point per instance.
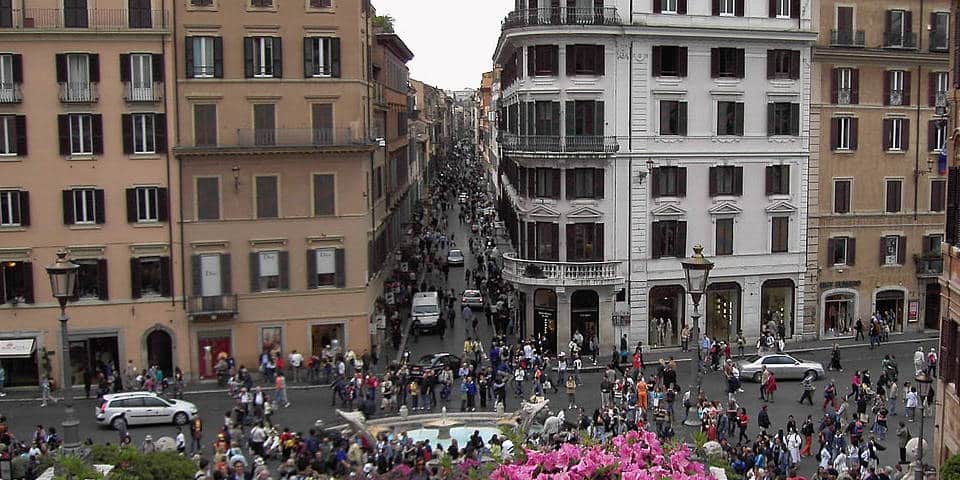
(929, 265)
(212, 307)
(562, 16)
(537, 272)
(10, 93)
(78, 92)
(556, 143)
(896, 97)
(136, 94)
(899, 40)
(843, 96)
(847, 38)
(98, 19)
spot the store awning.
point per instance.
(17, 348)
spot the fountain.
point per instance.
(443, 425)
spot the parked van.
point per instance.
(426, 310)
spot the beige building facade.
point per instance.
(878, 192)
(85, 129)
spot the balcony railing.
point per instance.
(847, 38)
(377, 94)
(562, 16)
(536, 272)
(213, 306)
(151, 93)
(899, 40)
(843, 96)
(10, 93)
(929, 264)
(78, 92)
(556, 143)
(99, 19)
(896, 97)
(940, 99)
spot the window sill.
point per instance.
(844, 152)
(895, 265)
(270, 9)
(13, 228)
(725, 197)
(728, 80)
(213, 7)
(82, 158)
(585, 201)
(327, 10)
(10, 158)
(145, 156)
(668, 198)
(895, 152)
(779, 196)
(148, 224)
(85, 227)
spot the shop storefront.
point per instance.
(723, 311)
(545, 317)
(19, 358)
(326, 335)
(94, 352)
(666, 315)
(211, 346)
(838, 315)
(585, 314)
(160, 350)
(776, 307)
(890, 305)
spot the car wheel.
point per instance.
(812, 374)
(118, 423)
(756, 377)
(180, 418)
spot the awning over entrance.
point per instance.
(16, 348)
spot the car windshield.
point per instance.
(471, 294)
(425, 309)
(753, 358)
(456, 253)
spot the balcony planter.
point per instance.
(533, 271)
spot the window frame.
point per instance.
(203, 47)
(779, 244)
(8, 135)
(316, 196)
(322, 47)
(144, 141)
(845, 242)
(886, 241)
(896, 92)
(845, 134)
(11, 216)
(670, 7)
(256, 196)
(783, 9)
(84, 206)
(727, 4)
(145, 289)
(214, 130)
(81, 129)
(268, 283)
(726, 177)
(148, 199)
(219, 195)
(263, 52)
(780, 183)
(938, 203)
(844, 85)
(734, 118)
(887, 182)
(674, 116)
(724, 245)
(848, 203)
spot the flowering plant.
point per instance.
(633, 456)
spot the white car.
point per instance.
(472, 299)
(455, 257)
(140, 408)
(782, 365)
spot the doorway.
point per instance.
(931, 310)
(212, 347)
(890, 306)
(666, 315)
(160, 351)
(723, 311)
(545, 317)
(94, 354)
(585, 314)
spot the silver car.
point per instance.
(139, 408)
(472, 299)
(782, 365)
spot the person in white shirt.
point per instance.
(296, 362)
(825, 458)
(181, 442)
(912, 401)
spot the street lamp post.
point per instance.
(923, 386)
(697, 270)
(63, 282)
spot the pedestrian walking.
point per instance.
(808, 389)
(280, 392)
(571, 385)
(45, 394)
(296, 364)
(3, 381)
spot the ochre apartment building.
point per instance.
(84, 137)
(877, 190)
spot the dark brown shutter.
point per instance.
(555, 176)
(738, 180)
(905, 134)
(61, 62)
(794, 8)
(656, 232)
(682, 7)
(681, 61)
(932, 89)
(102, 282)
(158, 66)
(906, 87)
(854, 86)
(854, 123)
(311, 269)
(886, 88)
(27, 271)
(851, 251)
(531, 60)
(188, 57)
(124, 67)
(887, 132)
(226, 279)
(598, 242)
(17, 68)
(715, 8)
(277, 57)
(100, 206)
(682, 118)
(656, 62)
(715, 62)
(571, 239)
(598, 183)
(555, 242)
(769, 180)
(308, 61)
(571, 60)
(218, 57)
(196, 276)
(682, 181)
(772, 11)
(160, 132)
(93, 63)
(931, 135)
(571, 182)
(771, 124)
(20, 125)
(713, 181)
(135, 277)
(834, 133)
(598, 118)
(908, 21)
(794, 119)
(771, 63)
(68, 217)
(571, 118)
(131, 197)
(601, 60)
(657, 6)
(883, 250)
(681, 239)
(741, 59)
(655, 174)
(795, 64)
(335, 67)
(785, 178)
(126, 128)
(166, 281)
(738, 114)
(163, 205)
(531, 241)
(24, 208)
(254, 272)
(831, 250)
(554, 60)
(283, 259)
(339, 260)
(63, 132)
(738, 8)
(248, 57)
(96, 122)
(902, 250)
(835, 86)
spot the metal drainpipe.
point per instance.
(163, 50)
(916, 161)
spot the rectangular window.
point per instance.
(585, 60)
(543, 241)
(724, 236)
(897, 27)
(783, 64)
(727, 62)
(842, 196)
(668, 6)
(261, 3)
(267, 197)
(321, 3)
(16, 282)
(894, 194)
(895, 134)
(264, 121)
(669, 239)
(208, 198)
(268, 270)
(784, 119)
(938, 189)
(844, 133)
(262, 56)
(205, 125)
(10, 71)
(543, 60)
(81, 134)
(91, 280)
(730, 118)
(844, 82)
(673, 117)
(726, 180)
(669, 61)
(148, 209)
(727, 8)
(585, 242)
(890, 253)
(931, 244)
(203, 58)
(9, 136)
(895, 91)
(10, 215)
(319, 53)
(546, 182)
(201, 3)
(780, 234)
(783, 8)
(322, 122)
(78, 85)
(778, 180)
(669, 182)
(84, 206)
(939, 84)
(143, 133)
(323, 195)
(940, 31)
(150, 276)
(584, 183)
(937, 136)
(840, 250)
(326, 266)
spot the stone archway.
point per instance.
(159, 348)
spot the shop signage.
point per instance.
(843, 284)
(913, 311)
(17, 348)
